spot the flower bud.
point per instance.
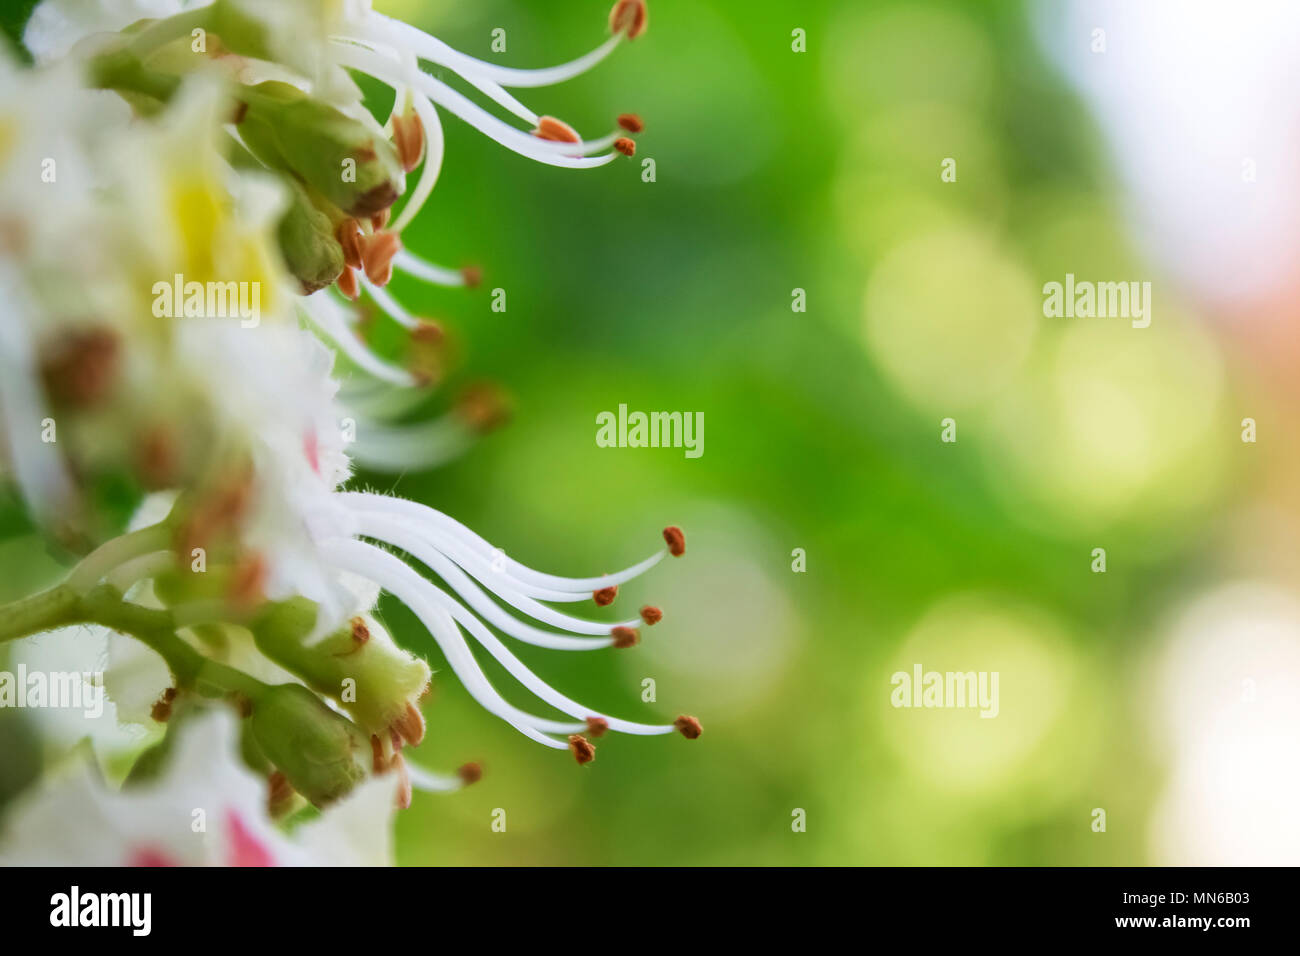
(307, 242)
(354, 167)
(358, 666)
(322, 754)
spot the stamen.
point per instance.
(410, 725)
(374, 399)
(625, 146)
(557, 131)
(438, 275)
(407, 447)
(676, 541)
(483, 407)
(590, 147)
(408, 137)
(415, 592)
(583, 750)
(390, 306)
(453, 530)
(597, 726)
(360, 633)
(625, 636)
(347, 283)
(425, 357)
(436, 51)
(329, 317)
(526, 145)
(404, 789)
(377, 36)
(377, 251)
(430, 782)
(402, 536)
(628, 16)
(435, 148)
(605, 596)
(651, 615)
(688, 727)
(631, 122)
(428, 332)
(403, 583)
(499, 579)
(349, 234)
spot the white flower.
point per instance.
(251, 429)
(131, 676)
(313, 43)
(206, 809)
(56, 26)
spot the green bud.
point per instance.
(304, 234)
(359, 666)
(250, 752)
(122, 70)
(239, 32)
(351, 164)
(307, 242)
(321, 753)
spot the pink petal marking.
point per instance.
(311, 448)
(149, 856)
(245, 849)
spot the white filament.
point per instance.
(401, 535)
(399, 447)
(396, 577)
(525, 144)
(390, 306)
(453, 529)
(414, 265)
(436, 51)
(328, 316)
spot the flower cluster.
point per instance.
(192, 195)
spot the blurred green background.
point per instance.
(779, 170)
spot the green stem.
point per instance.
(103, 605)
(40, 612)
(121, 549)
(157, 629)
(164, 31)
